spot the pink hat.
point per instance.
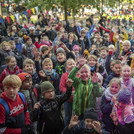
(76, 48)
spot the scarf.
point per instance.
(48, 73)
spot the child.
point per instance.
(50, 119)
(76, 51)
(116, 71)
(11, 68)
(107, 102)
(70, 64)
(126, 80)
(86, 88)
(89, 125)
(31, 94)
(122, 113)
(14, 117)
(61, 59)
(29, 67)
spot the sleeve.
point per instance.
(3, 75)
(107, 64)
(106, 107)
(3, 128)
(73, 75)
(57, 83)
(106, 30)
(90, 31)
(37, 45)
(107, 81)
(38, 67)
(27, 117)
(97, 89)
(63, 83)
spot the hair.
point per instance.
(8, 58)
(11, 42)
(28, 61)
(4, 43)
(127, 42)
(12, 80)
(75, 37)
(70, 59)
(126, 66)
(92, 56)
(47, 60)
(116, 62)
(85, 66)
(116, 80)
(111, 46)
(103, 48)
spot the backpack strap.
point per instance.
(36, 93)
(5, 105)
(22, 97)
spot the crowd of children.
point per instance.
(88, 69)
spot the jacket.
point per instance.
(19, 116)
(50, 120)
(85, 93)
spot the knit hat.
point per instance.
(90, 113)
(60, 50)
(44, 47)
(124, 96)
(46, 85)
(24, 76)
(76, 48)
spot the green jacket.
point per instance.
(85, 93)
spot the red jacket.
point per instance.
(6, 72)
(17, 109)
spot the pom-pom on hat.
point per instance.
(46, 85)
(90, 113)
(60, 50)
(24, 76)
(124, 96)
(76, 48)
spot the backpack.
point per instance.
(6, 106)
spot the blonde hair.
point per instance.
(8, 58)
(4, 43)
(126, 42)
(116, 80)
(111, 46)
(47, 60)
(70, 59)
(85, 66)
(75, 37)
(12, 80)
(126, 66)
(11, 42)
(92, 56)
(28, 61)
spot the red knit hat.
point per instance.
(23, 76)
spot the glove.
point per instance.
(10, 122)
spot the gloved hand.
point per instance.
(10, 122)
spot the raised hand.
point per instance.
(81, 62)
(94, 78)
(36, 53)
(69, 82)
(37, 105)
(97, 126)
(42, 74)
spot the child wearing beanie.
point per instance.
(122, 113)
(89, 124)
(50, 119)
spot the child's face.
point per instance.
(126, 73)
(103, 54)
(13, 46)
(29, 68)
(88, 123)
(114, 88)
(5, 47)
(93, 47)
(100, 83)
(48, 66)
(121, 105)
(27, 83)
(49, 94)
(29, 42)
(76, 52)
(91, 62)
(117, 68)
(70, 65)
(84, 74)
(12, 63)
(11, 91)
(61, 57)
(45, 38)
(126, 47)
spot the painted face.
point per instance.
(11, 91)
(70, 65)
(61, 57)
(84, 74)
(88, 123)
(12, 63)
(120, 105)
(126, 73)
(5, 47)
(103, 54)
(48, 66)
(114, 88)
(27, 83)
(126, 47)
(49, 94)
(29, 68)
(117, 68)
(91, 62)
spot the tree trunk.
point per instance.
(65, 9)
